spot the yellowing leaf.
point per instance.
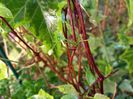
(100, 96)
(42, 95)
(3, 70)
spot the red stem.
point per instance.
(36, 53)
(93, 67)
(71, 20)
(70, 52)
(90, 58)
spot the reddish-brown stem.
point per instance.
(74, 37)
(3, 19)
(17, 41)
(64, 28)
(90, 58)
(78, 25)
(79, 69)
(101, 87)
(36, 53)
(71, 20)
(53, 69)
(81, 29)
(70, 52)
(93, 67)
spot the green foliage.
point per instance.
(69, 96)
(28, 89)
(3, 87)
(109, 86)
(3, 70)
(67, 89)
(130, 11)
(5, 12)
(57, 47)
(126, 86)
(41, 95)
(90, 78)
(128, 56)
(100, 96)
(43, 19)
(106, 51)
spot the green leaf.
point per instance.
(108, 69)
(67, 89)
(89, 76)
(3, 70)
(130, 39)
(42, 95)
(62, 4)
(69, 96)
(130, 11)
(128, 56)
(57, 40)
(100, 96)
(124, 39)
(35, 13)
(5, 12)
(109, 86)
(126, 86)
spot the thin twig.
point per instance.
(115, 91)
(36, 53)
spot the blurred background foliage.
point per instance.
(108, 25)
